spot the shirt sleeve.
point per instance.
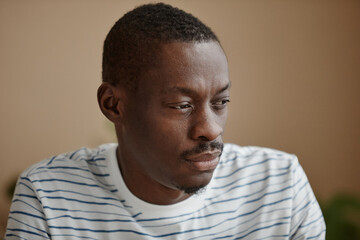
(307, 221)
(26, 218)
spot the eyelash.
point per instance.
(182, 106)
(218, 105)
(223, 102)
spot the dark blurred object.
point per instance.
(11, 187)
(342, 217)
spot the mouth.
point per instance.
(205, 161)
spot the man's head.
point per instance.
(132, 45)
(166, 90)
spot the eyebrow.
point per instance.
(188, 91)
(227, 86)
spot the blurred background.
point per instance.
(294, 66)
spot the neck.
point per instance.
(144, 187)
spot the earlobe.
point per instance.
(110, 101)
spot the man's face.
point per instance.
(173, 124)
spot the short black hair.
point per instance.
(132, 45)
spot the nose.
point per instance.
(206, 126)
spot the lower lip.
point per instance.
(205, 165)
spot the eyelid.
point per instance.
(223, 101)
(180, 105)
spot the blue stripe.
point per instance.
(276, 236)
(299, 222)
(191, 213)
(90, 161)
(247, 166)
(304, 226)
(305, 197)
(303, 207)
(26, 195)
(249, 156)
(71, 235)
(72, 154)
(248, 228)
(97, 159)
(248, 220)
(81, 194)
(301, 219)
(99, 230)
(156, 236)
(28, 187)
(91, 219)
(28, 225)
(76, 175)
(94, 212)
(262, 228)
(310, 237)
(217, 213)
(26, 231)
(75, 168)
(306, 183)
(84, 202)
(27, 214)
(67, 181)
(51, 160)
(14, 235)
(253, 182)
(251, 194)
(200, 229)
(220, 213)
(21, 201)
(246, 184)
(312, 222)
(251, 175)
(316, 236)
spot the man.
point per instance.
(166, 88)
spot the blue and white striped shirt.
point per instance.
(255, 193)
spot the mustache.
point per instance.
(203, 147)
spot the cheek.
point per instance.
(169, 135)
(156, 133)
(223, 117)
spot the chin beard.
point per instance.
(193, 190)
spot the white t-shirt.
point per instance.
(255, 193)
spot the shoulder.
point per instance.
(255, 164)
(260, 156)
(80, 161)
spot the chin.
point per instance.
(194, 190)
(196, 185)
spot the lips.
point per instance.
(204, 161)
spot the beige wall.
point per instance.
(294, 65)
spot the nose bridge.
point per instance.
(206, 125)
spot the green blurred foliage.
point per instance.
(342, 217)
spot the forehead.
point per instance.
(194, 66)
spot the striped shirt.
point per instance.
(255, 193)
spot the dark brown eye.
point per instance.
(222, 102)
(181, 106)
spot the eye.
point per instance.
(222, 102)
(181, 106)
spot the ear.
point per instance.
(111, 101)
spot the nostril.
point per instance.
(204, 138)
